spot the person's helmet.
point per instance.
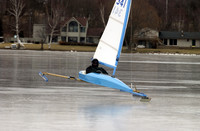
(95, 63)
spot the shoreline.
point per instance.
(70, 48)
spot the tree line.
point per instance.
(178, 14)
(171, 15)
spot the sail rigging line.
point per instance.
(132, 81)
(131, 42)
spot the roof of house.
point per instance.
(82, 20)
(179, 35)
(95, 31)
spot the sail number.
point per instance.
(119, 8)
(117, 11)
(121, 3)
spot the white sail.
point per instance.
(110, 44)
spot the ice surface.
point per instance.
(28, 103)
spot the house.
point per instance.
(147, 37)
(152, 39)
(180, 39)
(74, 29)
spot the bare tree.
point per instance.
(105, 8)
(102, 11)
(54, 11)
(16, 9)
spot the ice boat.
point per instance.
(109, 49)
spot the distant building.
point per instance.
(147, 37)
(180, 39)
(72, 30)
(150, 38)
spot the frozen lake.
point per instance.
(27, 103)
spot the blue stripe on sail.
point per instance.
(123, 34)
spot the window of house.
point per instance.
(82, 39)
(73, 26)
(63, 38)
(141, 42)
(173, 42)
(165, 41)
(64, 29)
(90, 40)
(72, 39)
(1, 39)
(193, 42)
(82, 29)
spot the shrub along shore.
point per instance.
(78, 48)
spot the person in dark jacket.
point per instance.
(95, 68)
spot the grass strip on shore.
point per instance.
(54, 47)
(57, 47)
